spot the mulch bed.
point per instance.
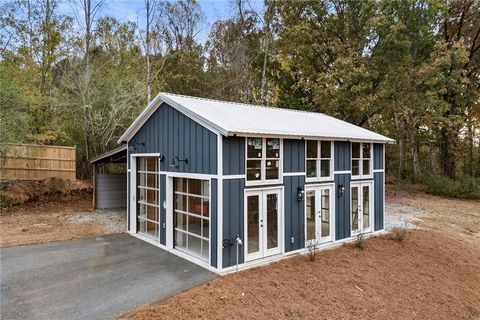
(426, 276)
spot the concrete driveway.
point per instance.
(92, 278)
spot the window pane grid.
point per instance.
(192, 215)
(263, 159)
(148, 197)
(318, 159)
(361, 159)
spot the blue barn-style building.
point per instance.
(223, 183)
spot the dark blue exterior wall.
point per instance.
(233, 218)
(342, 161)
(378, 156)
(378, 200)
(171, 134)
(163, 211)
(294, 214)
(213, 222)
(342, 207)
(233, 155)
(293, 155)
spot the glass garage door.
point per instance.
(192, 217)
(148, 219)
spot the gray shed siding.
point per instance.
(233, 155)
(294, 214)
(342, 207)
(171, 134)
(233, 218)
(342, 156)
(379, 188)
(111, 190)
(293, 155)
(378, 156)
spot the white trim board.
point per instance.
(266, 261)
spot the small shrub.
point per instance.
(4, 201)
(360, 241)
(312, 250)
(398, 233)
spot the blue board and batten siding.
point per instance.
(342, 162)
(171, 134)
(379, 185)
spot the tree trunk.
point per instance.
(414, 152)
(398, 126)
(147, 49)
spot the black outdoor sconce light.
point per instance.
(341, 190)
(176, 162)
(300, 194)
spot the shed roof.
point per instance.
(232, 118)
(117, 155)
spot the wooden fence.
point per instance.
(36, 162)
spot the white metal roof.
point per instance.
(231, 118)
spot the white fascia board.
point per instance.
(140, 120)
(305, 137)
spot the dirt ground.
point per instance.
(54, 221)
(456, 218)
(426, 276)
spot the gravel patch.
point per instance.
(402, 215)
(111, 220)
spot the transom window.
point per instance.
(319, 160)
(263, 160)
(192, 216)
(361, 159)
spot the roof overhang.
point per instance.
(117, 155)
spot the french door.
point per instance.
(361, 212)
(319, 214)
(262, 223)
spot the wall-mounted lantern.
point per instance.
(341, 190)
(176, 162)
(300, 194)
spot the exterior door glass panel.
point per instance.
(262, 223)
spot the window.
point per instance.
(318, 160)
(192, 216)
(263, 159)
(361, 159)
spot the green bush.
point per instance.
(4, 201)
(462, 187)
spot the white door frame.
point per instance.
(133, 190)
(262, 232)
(317, 188)
(360, 185)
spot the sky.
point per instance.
(134, 10)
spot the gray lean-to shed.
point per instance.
(208, 177)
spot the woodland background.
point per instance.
(409, 69)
